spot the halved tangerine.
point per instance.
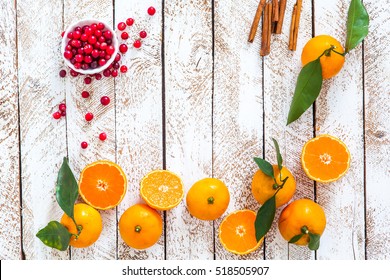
(162, 189)
(102, 184)
(325, 158)
(237, 232)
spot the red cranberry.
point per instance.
(107, 73)
(121, 26)
(78, 28)
(107, 34)
(93, 27)
(94, 64)
(102, 61)
(100, 26)
(97, 45)
(151, 11)
(123, 48)
(84, 66)
(114, 73)
(85, 94)
(117, 57)
(92, 40)
(102, 54)
(103, 46)
(56, 115)
(73, 73)
(101, 39)
(115, 65)
(87, 80)
(87, 59)
(105, 100)
(63, 113)
(137, 44)
(62, 33)
(62, 107)
(88, 49)
(102, 136)
(70, 35)
(88, 31)
(84, 37)
(98, 76)
(62, 73)
(75, 43)
(143, 34)
(107, 57)
(125, 35)
(95, 53)
(98, 33)
(79, 57)
(76, 34)
(68, 54)
(88, 117)
(84, 145)
(68, 48)
(110, 50)
(129, 21)
(123, 69)
(77, 65)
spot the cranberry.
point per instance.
(115, 65)
(78, 28)
(97, 45)
(114, 73)
(84, 66)
(100, 26)
(107, 34)
(84, 145)
(92, 40)
(88, 31)
(88, 48)
(98, 33)
(98, 76)
(62, 107)
(87, 59)
(70, 35)
(123, 48)
(101, 39)
(129, 21)
(75, 43)
(143, 34)
(94, 64)
(68, 54)
(79, 57)
(125, 35)
(85, 94)
(102, 54)
(93, 27)
(117, 57)
(77, 65)
(56, 115)
(95, 53)
(107, 57)
(63, 113)
(84, 37)
(76, 34)
(110, 50)
(151, 11)
(102, 61)
(62, 33)
(123, 69)
(62, 73)
(88, 117)
(68, 48)
(102, 136)
(103, 46)
(73, 73)
(121, 26)
(137, 44)
(87, 80)
(105, 100)
(80, 50)
(107, 73)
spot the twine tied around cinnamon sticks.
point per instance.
(273, 13)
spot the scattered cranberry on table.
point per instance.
(102, 136)
(151, 11)
(84, 145)
(143, 34)
(105, 100)
(56, 115)
(129, 21)
(85, 94)
(88, 117)
(137, 44)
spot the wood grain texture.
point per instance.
(188, 105)
(10, 230)
(377, 131)
(139, 110)
(78, 129)
(43, 139)
(281, 69)
(237, 110)
(339, 112)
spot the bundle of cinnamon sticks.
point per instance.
(273, 16)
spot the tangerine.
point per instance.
(331, 62)
(208, 199)
(89, 225)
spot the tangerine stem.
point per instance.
(137, 228)
(210, 200)
(305, 230)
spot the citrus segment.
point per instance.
(208, 199)
(262, 186)
(331, 62)
(102, 184)
(89, 222)
(325, 158)
(140, 226)
(301, 213)
(237, 232)
(162, 189)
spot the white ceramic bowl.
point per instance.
(81, 23)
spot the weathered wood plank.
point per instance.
(377, 130)
(281, 69)
(339, 112)
(10, 231)
(139, 110)
(238, 109)
(188, 103)
(43, 139)
(78, 129)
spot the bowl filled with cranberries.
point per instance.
(89, 46)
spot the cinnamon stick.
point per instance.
(265, 31)
(256, 21)
(268, 49)
(282, 10)
(275, 10)
(296, 25)
(292, 28)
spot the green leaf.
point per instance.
(357, 24)
(296, 238)
(307, 89)
(265, 166)
(55, 235)
(278, 155)
(264, 218)
(314, 242)
(67, 189)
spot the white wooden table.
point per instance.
(197, 100)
